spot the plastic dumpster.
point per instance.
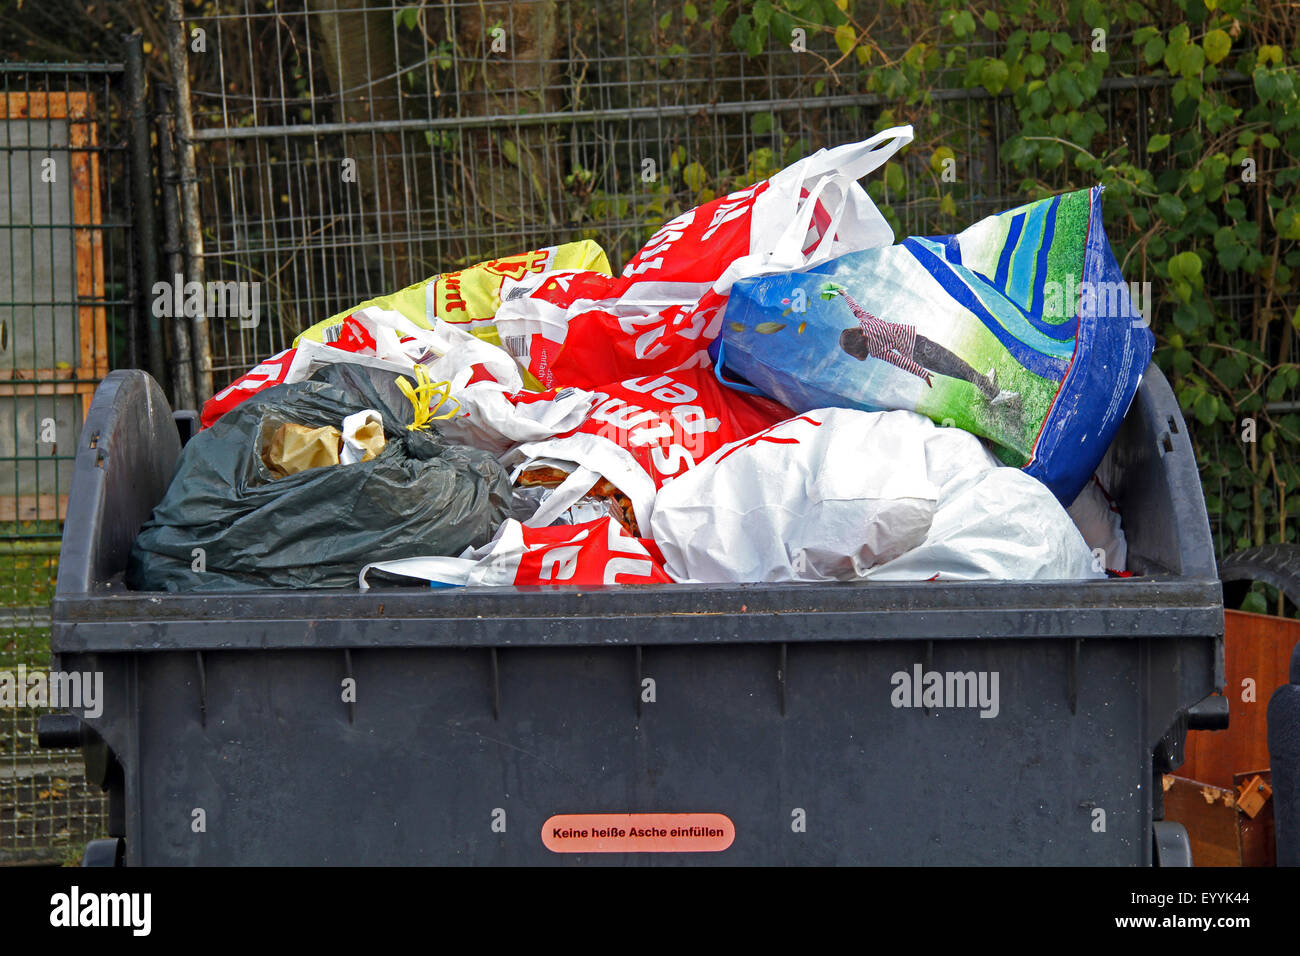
(746, 724)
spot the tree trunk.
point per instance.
(360, 57)
(506, 55)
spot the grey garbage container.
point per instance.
(750, 724)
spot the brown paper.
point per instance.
(370, 436)
(294, 448)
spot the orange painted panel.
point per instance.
(1257, 648)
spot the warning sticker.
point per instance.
(638, 833)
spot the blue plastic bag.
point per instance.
(1019, 329)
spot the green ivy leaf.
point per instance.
(1207, 409)
(939, 156)
(845, 37)
(1172, 210)
(1217, 45)
(1154, 50)
(1254, 603)
(1192, 61)
(1265, 84)
(741, 30)
(1158, 142)
(894, 177)
(1187, 267)
(993, 75)
(963, 24)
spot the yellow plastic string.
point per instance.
(427, 397)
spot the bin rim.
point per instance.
(1158, 606)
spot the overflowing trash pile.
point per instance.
(772, 390)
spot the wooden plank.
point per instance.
(38, 105)
(28, 374)
(49, 388)
(1210, 815)
(33, 507)
(1257, 647)
(89, 242)
(1258, 843)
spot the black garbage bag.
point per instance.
(226, 523)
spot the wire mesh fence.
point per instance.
(64, 294)
(389, 142)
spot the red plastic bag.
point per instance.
(590, 554)
(274, 371)
(643, 432)
(666, 308)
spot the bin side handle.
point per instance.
(1161, 500)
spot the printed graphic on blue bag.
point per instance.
(1019, 329)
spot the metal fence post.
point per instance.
(200, 342)
(142, 205)
(182, 367)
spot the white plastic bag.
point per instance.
(838, 494)
(1097, 517)
(355, 432)
(815, 210)
(1001, 525)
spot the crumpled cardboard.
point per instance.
(294, 448)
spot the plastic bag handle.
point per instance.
(823, 250)
(790, 242)
(855, 160)
(717, 373)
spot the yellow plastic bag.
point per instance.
(469, 298)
